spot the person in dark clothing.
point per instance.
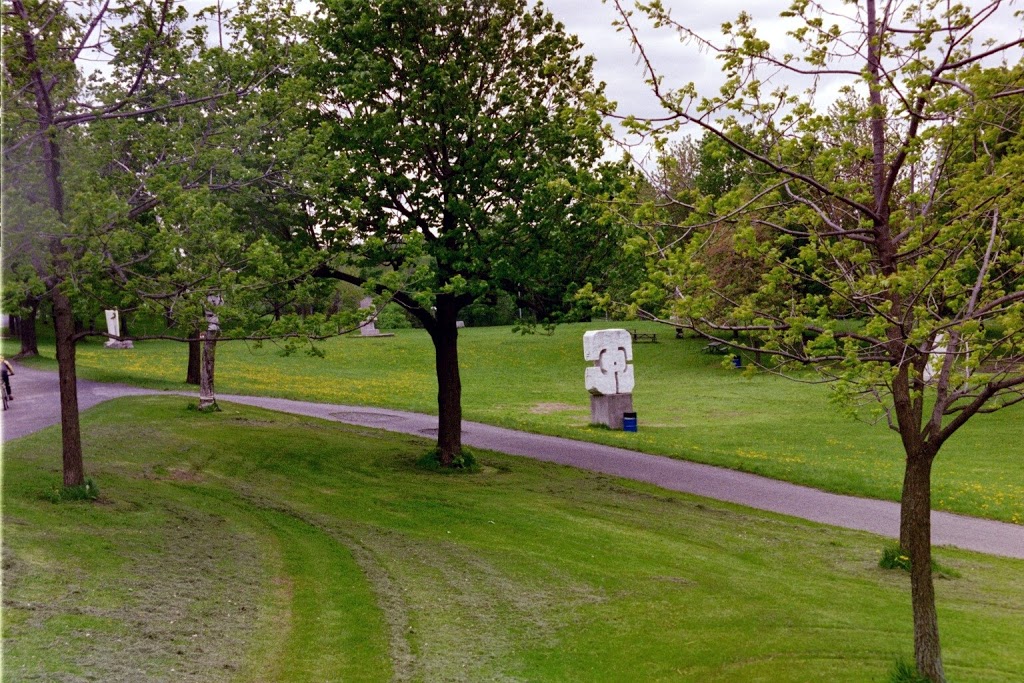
(6, 372)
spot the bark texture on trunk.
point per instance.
(195, 353)
(27, 332)
(915, 538)
(445, 336)
(207, 399)
(71, 437)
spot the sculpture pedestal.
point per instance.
(608, 409)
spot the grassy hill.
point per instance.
(254, 546)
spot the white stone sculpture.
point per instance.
(369, 326)
(113, 317)
(610, 380)
(611, 352)
(113, 322)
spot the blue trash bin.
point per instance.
(629, 422)
(737, 362)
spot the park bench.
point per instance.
(645, 336)
(717, 348)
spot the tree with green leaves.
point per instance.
(93, 156)
(886, 224)
(463, 133)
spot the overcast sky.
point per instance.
(616, 61)
(592, 21)
(616, 65)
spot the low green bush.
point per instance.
(464, 462)
(87, 491)
(393, 317)
(904, 672)
(895, 557)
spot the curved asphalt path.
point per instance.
(37, 406)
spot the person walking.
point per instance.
(6, 372)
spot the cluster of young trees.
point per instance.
(240, 164)
(119, 184)
(877, 238)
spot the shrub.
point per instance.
(905, 672)
(464, 462)
(895, 557)
(87, 491)
(393, 317)
(499, 308)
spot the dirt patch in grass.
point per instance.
(674, 580)
(184, 475)
(161, 473)
(249, 422)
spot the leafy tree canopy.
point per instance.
(467, 143)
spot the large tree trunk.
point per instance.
(27, 329)
(195, 353)
(445, 336)
(915, 538)
(71, 436)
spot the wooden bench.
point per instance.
(645, 336)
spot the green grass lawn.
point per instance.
(255, 546)
(689, 406)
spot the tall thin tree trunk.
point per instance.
(64, 322)
(445, 336)
(71, 437)
(207, 399)
(915, 538)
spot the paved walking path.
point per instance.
(36, 406)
